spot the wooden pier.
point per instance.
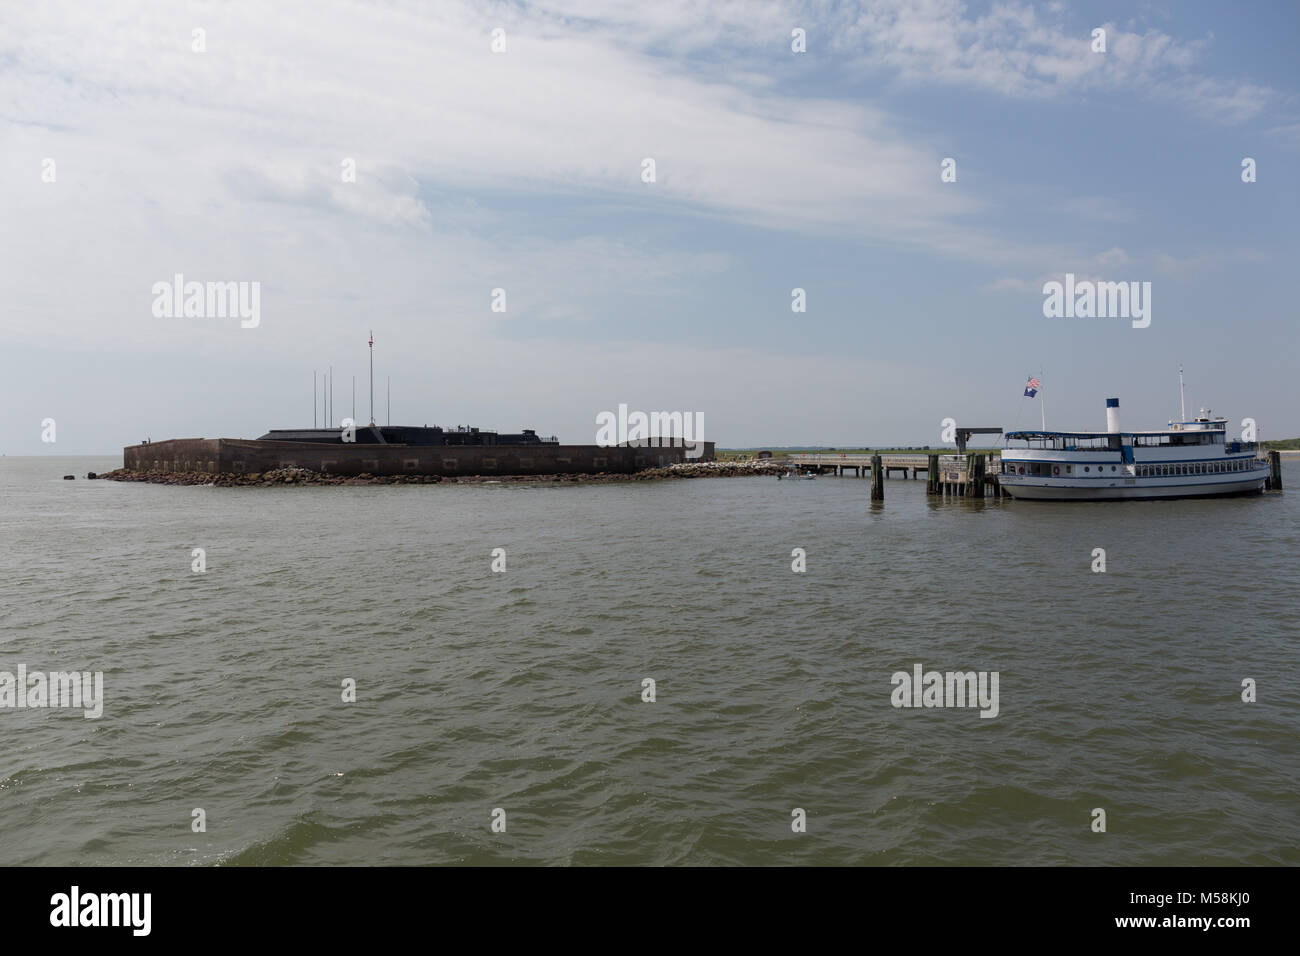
(961, 476)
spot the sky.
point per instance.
(133, 149)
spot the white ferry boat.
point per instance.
(1189, 459)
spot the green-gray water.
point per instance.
(523, 690)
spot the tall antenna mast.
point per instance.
(313, 398)
(390, 399)
(372, 376)
(1182, 403)
(328, 424)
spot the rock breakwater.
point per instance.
(304, 476)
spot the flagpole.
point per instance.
(1042, 405)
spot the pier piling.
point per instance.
(877, 479)
(1274, 482)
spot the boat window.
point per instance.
(1069, 469)
(1085, 467)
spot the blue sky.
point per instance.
(521, 170)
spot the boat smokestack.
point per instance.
(1112, 415)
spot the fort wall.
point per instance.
(249, 456)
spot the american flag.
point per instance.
(1031, 389)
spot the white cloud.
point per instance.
(1015, 51)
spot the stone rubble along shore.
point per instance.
(304, 476)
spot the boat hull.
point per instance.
(1046, 489)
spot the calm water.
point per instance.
(522, 690)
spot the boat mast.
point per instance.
(1182, 402)
(313, 398)
(372, 376)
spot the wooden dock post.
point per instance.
(877, 479)
(932, 475)
(1274, 482)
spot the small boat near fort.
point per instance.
(1188, 459)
